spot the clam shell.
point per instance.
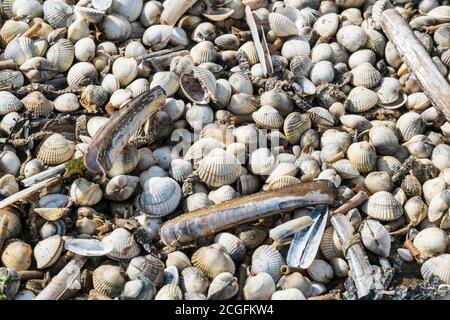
(9, 163)
(67, 102)
(378, 181)
(365, 75)
(259, 287)
(351, 37)
(126, 70)
(203, 52)
(441, 156)
(288, 294)
(362, 156)
(17, 255)
(327, 25)
(81, 74)
(268, 117)
(160, 197)
(219, 168)
(212, 260)
(47, 251)
(409, 124)
(124, 245)
(222, 194)
(345, 169)
(281, 25)
(36, 103)
(139, 289)
(85, 193)
(109, 280)
(167, 80)
(261, 161)
(20, 50)
(169, 292)
(14, 227)
(116, 27)
(295, 125)
(151, 13)
(431, 242)
(330, 246)
(383, 206)
(192, 280)
(233, 246)
(148, 267)
(320, 271)
(415, 210)
(439, 205)
(55, 150)
(180, 169)
(223, 287)
(88, 247)
(58, 13)
(437, 266)
(242, 104)
(375, 238)
(196, 201)
(361, 99)
(157, 36)
(384, 140)
(8, 185)
(9, 103)
(297, 281)
(268, 260)
(121, 187)
(322, 72)
(178, 259)
(441, 13)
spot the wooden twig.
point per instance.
(203, 222)
(354, 202)
(414, 54)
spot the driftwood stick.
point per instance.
(418, 60)
(8, 64)
(207, 221)
(361, 270)
(355, 201)
(63, 280)
(27, 192)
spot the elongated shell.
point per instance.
(47, 251)
(109, 280)
(259, 287)
(160, 197)
(85, 193)
(383, 206)
(431, 242)
(17, 255)
(55, 150)
(437, 266)
(147, 266)
(9, 103)
(213, 260)
(375, 238)
(267, 259)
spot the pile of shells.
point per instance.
(332, 100)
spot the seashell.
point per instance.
(20, 50)
(138, 86)
(14, 227)
(390, 95)
(121, 187)
(38, 69)
(242, 104)
(409, 124)
(94, 124)
(268, 260)
(91, 15)
(61, 54)
(388, 164)
(180, 169)
(81, 74)
(77, 30)
(51, 228)
(139, 289)
(55, 149)
(362, 156)
(222, 194)
(259, 287)
(351, 37)
(126, 161)
(432, 187)
(441, 156)
(282, 169)
(198, 116)
(203, 31)
(281, 25)
(439, 205)
(412, 186)
(9, 163)
(85, 49)
(17, 255)
(415, 210)
(365, 75)
(47, 251)
(430, 242)
(126, 70)
(130, 9)
(297, 281)
(67, 102)
(116, 27)
(419, 146)
(192, 280)
(124, 245)
(9, 103)
(288, 294)
(8, 185)
(249, 50)
(327, 25)
(295, 46)
(196, 201)
(178, 259)
(58, 13)
(330, 246)
(300, 66)
(241, 83)
(392, 56)
(261, 161)
(10, 79)
(361, 99)
(268, 117)
(93, 97)
(321, 52)
(283, 181)
(174, 108)
(151, 13)
(378, 181)
(383, 206)
(345, 169)
(36, 103)
(227, 42)
(437, 266)
(309, 167)
(375, 41)
(160, 197)
(85, 193)
(321, 116)
(223, 287)
(375, 238)
(441, 14)
(320, 271)
(360, 57)
(171, 275)
(148, 267)
(295, 125)
(203, 52)
(340, 267)
(384, 140)
(232, 245)
(219, 168)
(212, 260)
(169, 292)
(109, 280)
(88, 247)
(322, 72)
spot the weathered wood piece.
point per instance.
(352, 203)
(203, 222)
(420, 64)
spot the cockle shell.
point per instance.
(67, 102)
(61, 54)
(222, 194)
(365, 75)
(415, 210)
(322, 72)
(109, 280)
(20, 50)
(126, 70)
(375, 238)
(139, 289)
(223, 287)
(124, 245)
(437, 266)
(281, 25)
(126, 161)
(169, 292)
(9, 163)
(432, 187)
(51, 228)
(81, 74)
(178, 259)
(8, 185)
(196, 201)
(55, 149)
(85, 49)
(85, 193)
(295, 125)
(345, 169)
(9, 103)
(268, 117)
(36, 103)
(268, 260)
(361, 99)
(383, 206)
(261, 161)
(412, 186)
(439, 205)
(384, 140)
(378, 181)
(362, 156)
(17, 255)
(351, 37)
(259, 287)
(10, 79)
(192, 280)
(160, 197)
(47, 251)
(232, 245)
(327, 25)
(431, 242)
(295, 280)
(58, 13)
(295, 46)
(441, 156)
(14, 227)
(116, 27)
(148, 267)
(219, 168)
(288, 294)
(167, 80)
(330, 246)
(121, 187)
(340, 267)
(320, 271)
(213, 260)
(180, 169)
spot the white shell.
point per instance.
(160, 197)
(375, 238)
(124, 245)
